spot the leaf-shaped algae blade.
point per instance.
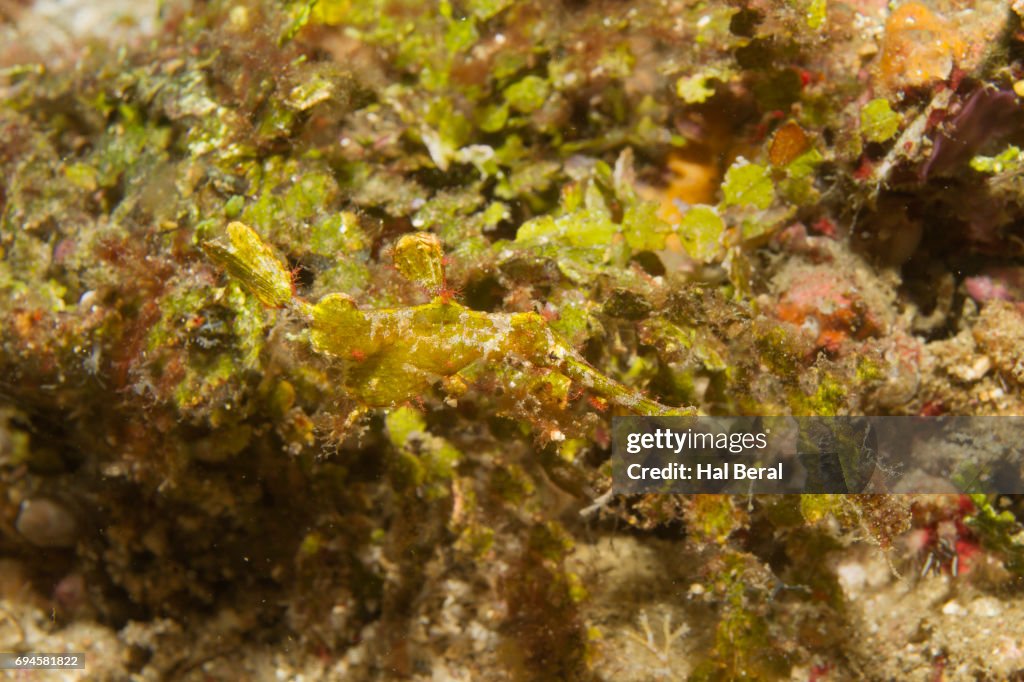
(420, 259)
(249, 260)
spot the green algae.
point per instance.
(1000, 532)
(1010, 160)
(528, 95)
(748, 184)
(878, 122)
(702, 231)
